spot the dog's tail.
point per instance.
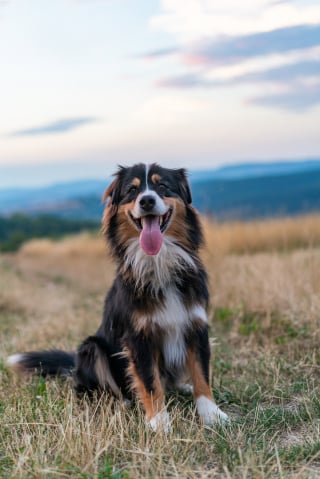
(96, 365)
(46, 363)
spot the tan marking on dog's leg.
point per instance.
(153, 402)
(200, 385)
(207, 409)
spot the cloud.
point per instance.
(163, 52)
(298, 84)
(283, 74)
(194, 19)
(272, 45)
(229, 50)
(298, 98)
(56, 127)
(296, 78)
(232, 50)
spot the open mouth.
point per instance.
(151, 229)
(163, 221)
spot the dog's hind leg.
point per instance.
(93, 371)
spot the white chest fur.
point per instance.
(174, 319)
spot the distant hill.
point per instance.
(49, 198)
(259, 197)
(244, 191)
(250, 170)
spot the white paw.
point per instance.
(160, 422)
(209, 412)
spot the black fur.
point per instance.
(49, 363)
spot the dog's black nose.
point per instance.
(147, 202)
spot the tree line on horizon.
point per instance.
(18, 228)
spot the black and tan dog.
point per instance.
(154, 333)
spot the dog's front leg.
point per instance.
(198, 360)
(144, 372)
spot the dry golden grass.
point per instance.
(266, 363)
(281, 234)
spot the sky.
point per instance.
(89, 84)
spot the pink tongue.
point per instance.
(150, 236)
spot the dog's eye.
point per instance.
(162, 189)
(132, 189)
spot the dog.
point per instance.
(154, 333)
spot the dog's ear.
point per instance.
(112, 196)
(112, 193)
(184, 188)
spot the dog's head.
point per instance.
(150, 203)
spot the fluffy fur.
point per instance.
(154, 333)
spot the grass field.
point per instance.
(265, 313)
